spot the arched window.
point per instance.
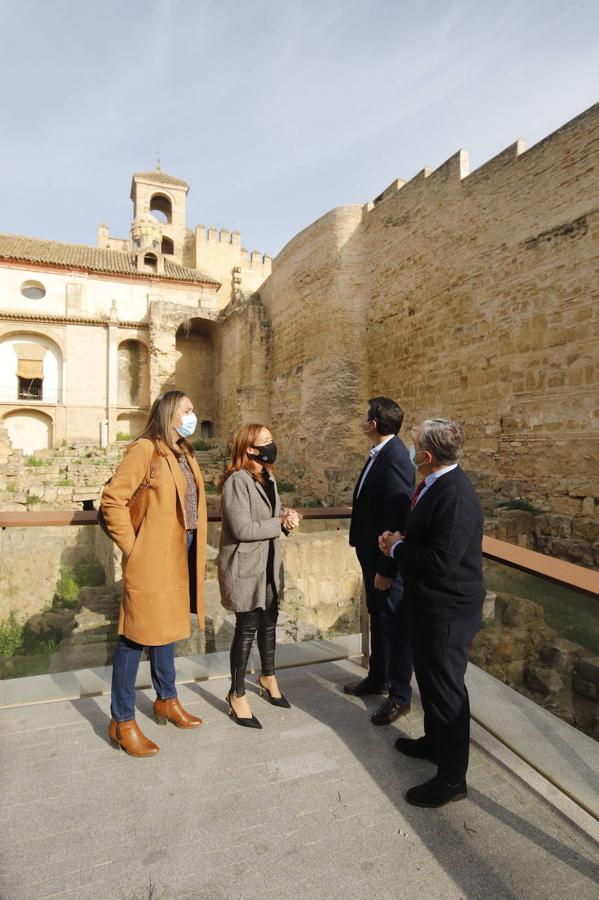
(150, 261)
(33, 290)
(30, 368)
(161, 208)
(206, 429)
(168, 247)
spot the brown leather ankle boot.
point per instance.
(172, 711)
(129, 736)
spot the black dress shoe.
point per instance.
(436, 792)
(276, 701)
(389, 711)
(417, 749)
(361, 688)
(242, 720)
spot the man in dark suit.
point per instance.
(382, 498)
(440, 558)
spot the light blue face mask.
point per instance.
(412, 451)
(188, 425)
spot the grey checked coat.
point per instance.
(247, 526)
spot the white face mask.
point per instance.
(188, 425)
(413, 453)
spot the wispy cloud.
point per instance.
(270, 109)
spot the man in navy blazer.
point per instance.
(440, 557)
(381, 502)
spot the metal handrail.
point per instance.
(569, 575)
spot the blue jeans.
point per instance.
(124, 672)
(162, 659)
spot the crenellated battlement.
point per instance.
(454, 170)
(232, 239)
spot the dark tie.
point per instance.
(420, 487)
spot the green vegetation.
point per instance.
(73, 578)
(22, 652)
(211, 488)
(571, 615)
(123, 436)
(11, 635)
(32, 499)
(285, 487)
(34, 461)
(201, 444)
(11, 487)
(313, 501)
(517, 503)
(65, 482)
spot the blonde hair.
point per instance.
(160, 421)
(245, 438)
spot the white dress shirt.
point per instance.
(373, 455)
(428, 481)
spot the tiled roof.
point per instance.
(91, 259)
(160, 177)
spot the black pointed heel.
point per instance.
(281, 701)
(241, 720)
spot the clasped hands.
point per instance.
(290, 518)
(387, 539)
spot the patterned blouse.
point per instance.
(191, 495)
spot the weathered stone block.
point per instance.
(562, 655)
(588, 669)
(517, 611)
(489, 607)
(546, 681)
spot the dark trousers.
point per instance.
(124, 671)
(440, 660)
(162, 658)
(247, 624)
(390, 664)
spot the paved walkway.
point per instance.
(310, 807)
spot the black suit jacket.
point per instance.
(441, 558)
(382, 505)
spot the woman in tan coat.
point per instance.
(163, 564)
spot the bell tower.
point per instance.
(163, 197)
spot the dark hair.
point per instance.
(387, 414)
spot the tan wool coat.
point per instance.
(155, 602)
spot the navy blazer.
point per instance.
(382, 505)
(441, 558)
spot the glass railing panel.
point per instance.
(542, 639)
(58, 594)
(60, 589)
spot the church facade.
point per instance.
(76, 322)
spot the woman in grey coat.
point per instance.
(250, 568)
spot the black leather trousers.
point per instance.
(247, 624)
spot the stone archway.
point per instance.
(195, 366)
(29, 430)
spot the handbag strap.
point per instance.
(150, 474)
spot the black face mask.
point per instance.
(267, 453)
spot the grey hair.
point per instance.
(442, 438)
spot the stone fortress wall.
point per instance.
(467, 294)
(471, 295)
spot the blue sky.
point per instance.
(274, 111)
